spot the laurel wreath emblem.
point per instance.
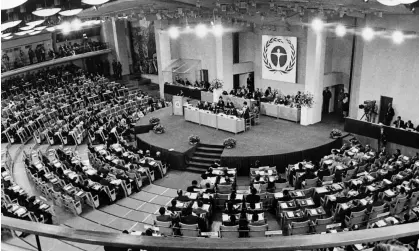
(266, 60)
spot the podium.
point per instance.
(177, 105)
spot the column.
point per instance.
(316, 51)
(164, 56)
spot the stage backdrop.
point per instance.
(279, 58)
(144, 47)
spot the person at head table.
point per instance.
(220, 103)
(399, 123)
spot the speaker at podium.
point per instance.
(177, 105)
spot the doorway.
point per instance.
(384, 101)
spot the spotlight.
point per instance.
(366, 1)
(368, 33)
(174, 32)
(201, 30)
(340, 30)
(65, 27)
(75, 24)
(317, 24)
(187, 28)
(217, 30)
(398, 37)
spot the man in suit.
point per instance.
(323, 171)
(173, 207)
(246, 110)
(163, 217)
(399, 123)
(409, 125)
(180, 197)
(388, 117)
(253, 197)
(191, 189)
(188, 218)
(199, 210)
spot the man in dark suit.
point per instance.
(253, 197)
(163, 217)
(173, 207)
(323, 171)
(188, 218)
(180, 197)
(388, 117)
(409, 125)
(399, 123)
(199, 210)
(246, 110)
(191, 189)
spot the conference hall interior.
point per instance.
(178, 125)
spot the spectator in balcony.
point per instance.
(31, 55)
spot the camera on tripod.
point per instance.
(369, 108)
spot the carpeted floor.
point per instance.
(270, 137)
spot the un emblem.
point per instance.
(279, 55)
(177, 104)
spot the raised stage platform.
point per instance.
(273, 142)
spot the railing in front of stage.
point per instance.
(295, 242)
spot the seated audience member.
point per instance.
(231, 208)
(253, 197)
(323, 171)
(209, 189)
(233, 198)
(199, 210)
(409, 125)
(280, 179)
(188, 217)
(191, 189)
(173, 206)
(180, 197)
(398, 123)
(163, 217)
(232, 221)
(256, 221)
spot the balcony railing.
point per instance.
(25, 61)
(295, 242)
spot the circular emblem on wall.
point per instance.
(279, 55)
(177, 104)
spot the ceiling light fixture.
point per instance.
(26, 28)
(46, 12)
(35, 23)
(6, 34)
(51, 29)
(317, 24)
(94, 2)
(7, 38)
(174, 32)
(7, 25)
(34, 32)
(340, 30)
(21, 33)
(40, 28)
(69, 13)
(201, 30)
(368, 33)
(389, 2)
(398, 37)
(10, 4)
(406, 1)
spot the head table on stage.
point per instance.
(219, 121)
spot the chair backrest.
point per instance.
(311, 182)
(188, 226)
(190, 232)
(165, 228)
(375, 211)
(356, 218)
(229, 231)
(399, 205)
(328, 178)
(258, 231)
(321, 224)
(300, 227)
(280, 186)
(224, 188)
(414, 199)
